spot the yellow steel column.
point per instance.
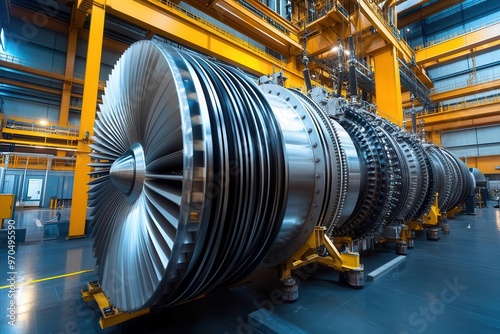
(90, 89)
(70, 68)
(388, 85)
(435, 137)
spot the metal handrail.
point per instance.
(457, 34)
(460, 105)
(31, 125)
(464, 84)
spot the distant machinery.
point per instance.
(200, 175)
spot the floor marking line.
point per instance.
(49, 278)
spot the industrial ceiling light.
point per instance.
(2, 40)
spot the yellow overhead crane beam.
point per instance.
(466, 91)
(240, 18)
(461, 115)
(483, 38)
(455, 93)
(462, 118)
(173, 22)
(462, 54)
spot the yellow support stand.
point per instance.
(415, 225)
(430, 220)
(453, 212)
(111, 316)
(308, 254)
(433, 218)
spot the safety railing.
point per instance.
(457, 34)
(460, 105)
(264, 17)
(463, 84)
(323, 8)
(36, 161)
(34, 125)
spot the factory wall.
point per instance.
(59, 185)
(478, 146)
(473, 142)
(459, 73)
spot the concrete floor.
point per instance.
(448, 286)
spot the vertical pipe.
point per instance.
(305, 61)
(44, 189)
(3, 171)
(353, 79)
(413, 114)
(2, 176)
(24, 178)
(341, 72)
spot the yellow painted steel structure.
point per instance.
(374, 15)
(30, 132)
(463, 115)
(466, 91)
(486, 164)
(495, 43)
(388, 87)
(80, 197)
(169, 20)
(285, 40)
(456, 45)
(455, 93)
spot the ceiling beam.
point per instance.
(426, 11)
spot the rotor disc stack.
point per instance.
(199, 176)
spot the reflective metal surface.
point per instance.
(200, 175)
